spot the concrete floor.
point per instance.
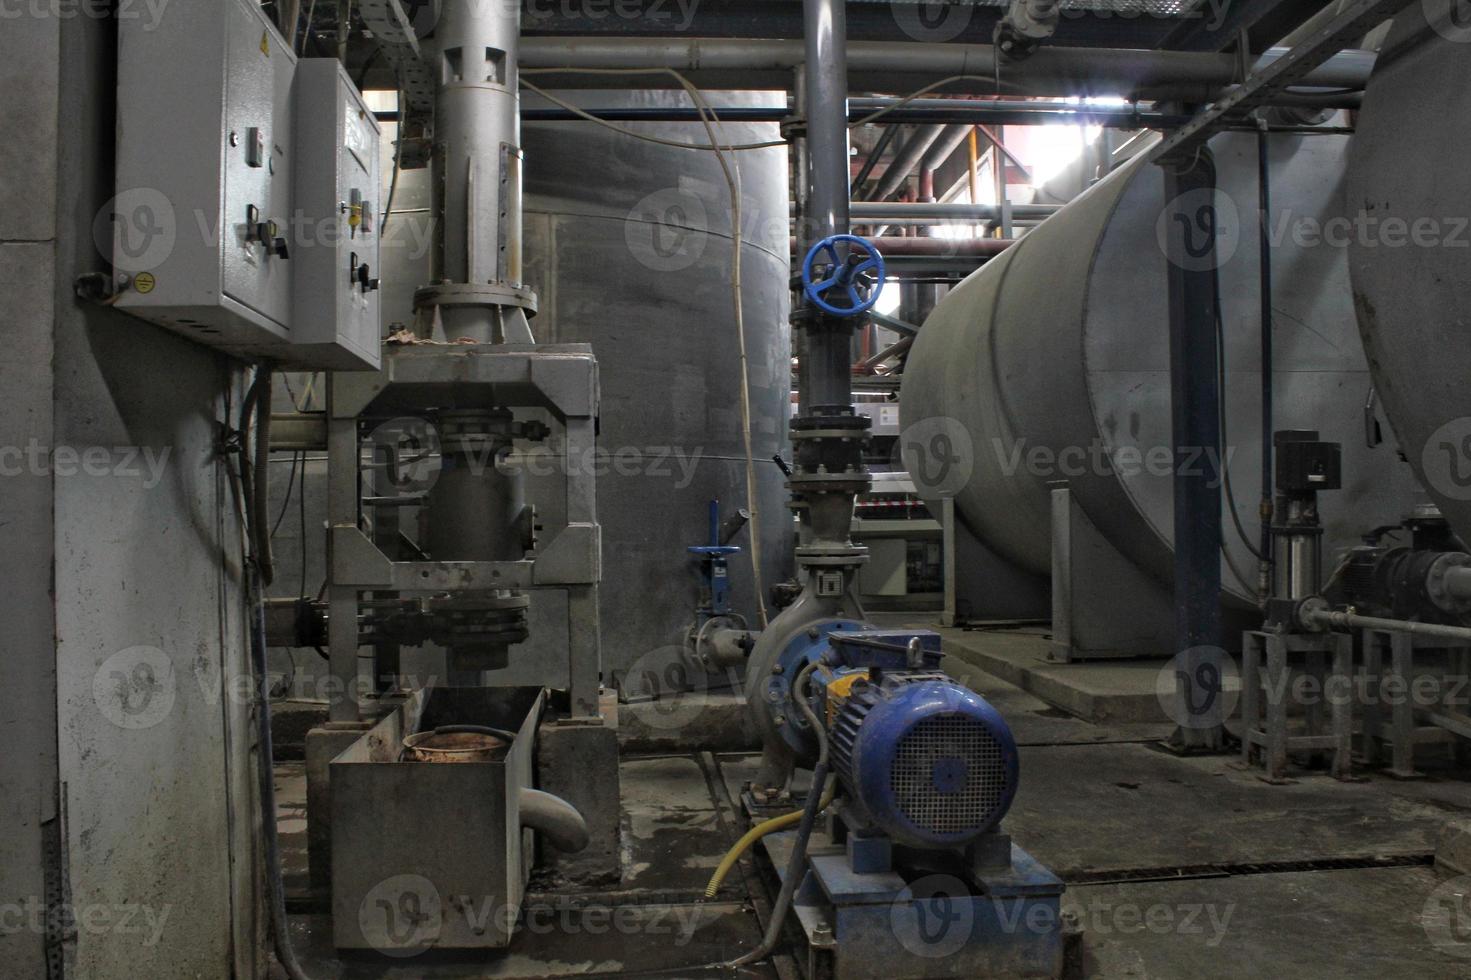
(1177, 867)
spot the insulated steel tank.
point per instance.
(1051, 363)
(1409, 244)
(629, 247)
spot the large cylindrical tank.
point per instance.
(1409, 246)
(631, 243)
(629, 247)
(1052, 363)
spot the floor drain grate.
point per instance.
(1186, 871)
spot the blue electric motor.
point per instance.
(924, 759)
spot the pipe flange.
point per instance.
(1437, 588)
(831, 555)
(1310, 612)
(476, 294)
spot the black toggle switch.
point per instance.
(365, 279)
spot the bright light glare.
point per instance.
(888, 299)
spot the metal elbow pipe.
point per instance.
(555, 819)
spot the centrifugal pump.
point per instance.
(923, 760)
(926, 769)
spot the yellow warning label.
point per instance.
(144, 282)
(265, 44)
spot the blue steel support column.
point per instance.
(1195, 411)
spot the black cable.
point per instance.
(265, 776)
(290, 483)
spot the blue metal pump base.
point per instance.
(992, 911)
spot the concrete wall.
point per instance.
(122, 603)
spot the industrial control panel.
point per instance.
(336, 235)
(238, 172)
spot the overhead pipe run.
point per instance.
(941, 212)
(906, 160)
(755, 64)
(901, 246)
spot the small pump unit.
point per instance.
(926, 761)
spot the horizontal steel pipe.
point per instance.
(890, 246)
(930, 213)
(1349, 622)
(739, 63)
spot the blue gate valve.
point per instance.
(844, 276)
(713, 568)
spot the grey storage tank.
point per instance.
(1051, 363)
(1410, 244)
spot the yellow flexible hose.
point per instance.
(756, 833)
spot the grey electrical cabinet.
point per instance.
(335, 234)
(218, 225)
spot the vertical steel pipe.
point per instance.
(826, 45)
(1196, 426)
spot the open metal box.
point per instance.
(431, 855)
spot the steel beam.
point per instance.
(1299, 66)
(1195, 423)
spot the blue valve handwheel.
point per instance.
(842, 275)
